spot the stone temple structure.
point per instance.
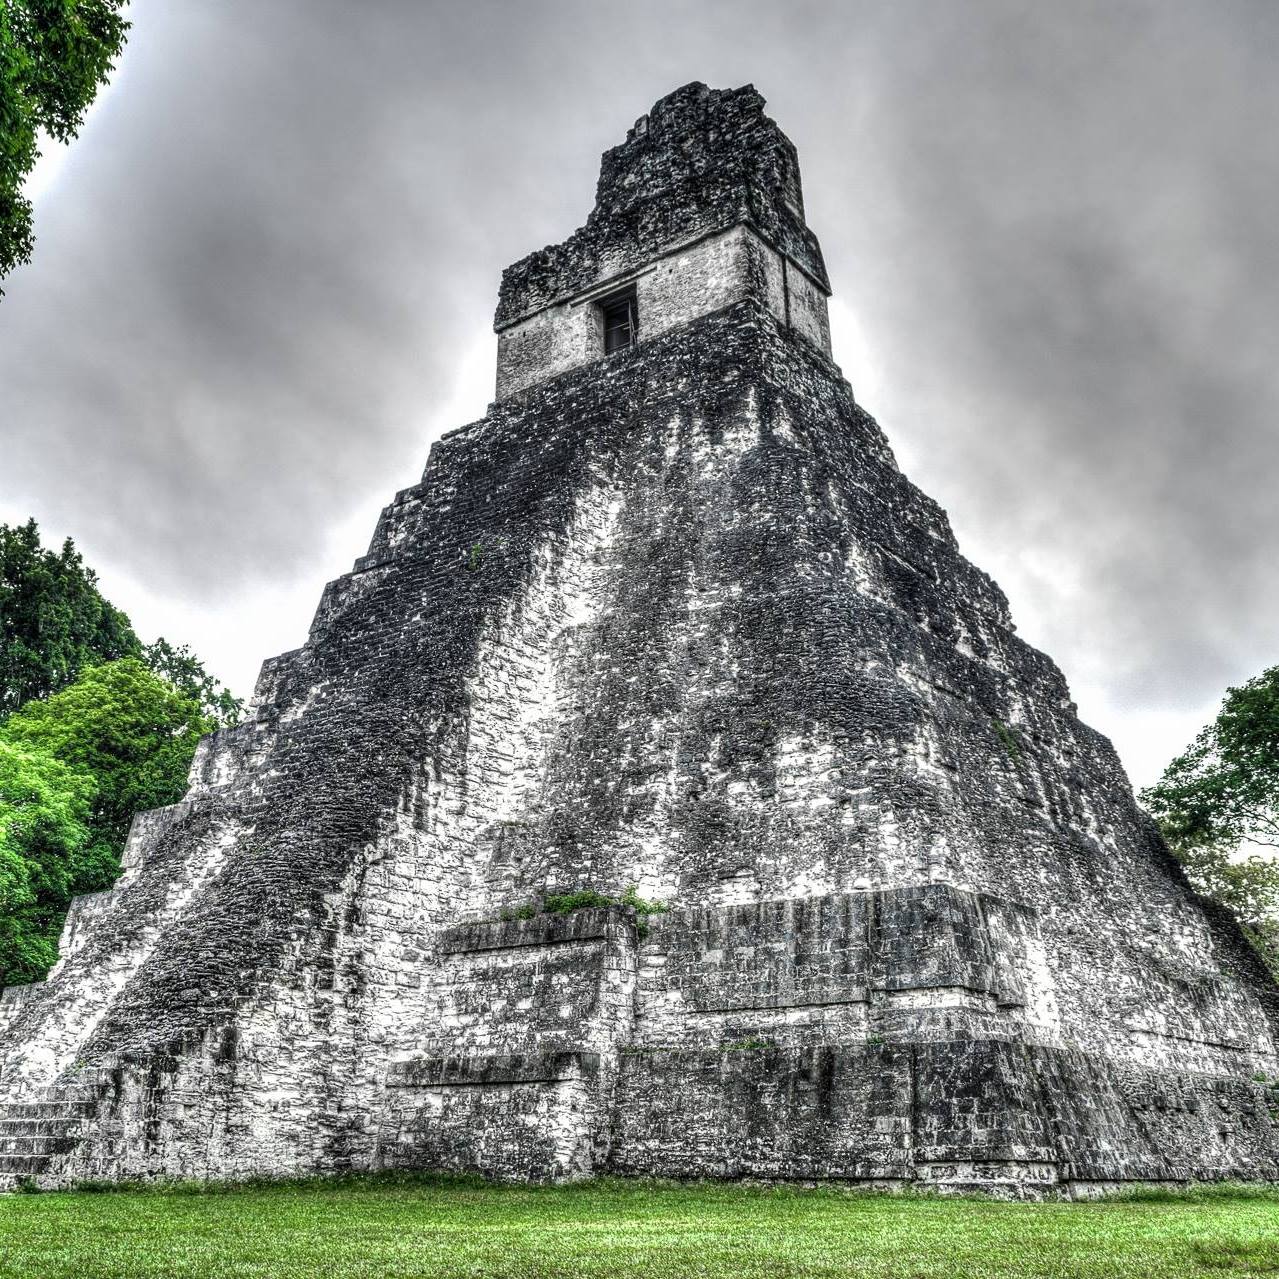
(668, 624)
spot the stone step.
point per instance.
(37, 1145)
(48, 1127)
(71, 1093)
(15, 1110)
(33, 1133)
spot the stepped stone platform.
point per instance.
(667, 619)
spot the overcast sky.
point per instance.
(265, 277)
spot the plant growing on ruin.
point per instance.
(639, 905)
(751, 1044)
(1009, 738)
(579, 899)
(585, 899)
(508, 913)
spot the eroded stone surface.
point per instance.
(673, 620)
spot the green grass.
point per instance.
(396, 1227)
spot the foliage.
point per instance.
(1225, 788)
(579, 899)
(53, 56)
(181, 668)
(54, 622)
(47, 855)
(129, 730)
(53, 618)
(1221, 793)
(641, 907)
(415, 1224)
(584, 899)
(1008, 739)
(95, 728)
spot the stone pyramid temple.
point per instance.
(666, 628)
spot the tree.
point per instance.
(54, 622)
(97, 728)
(127, 729)
(53, 618)
(74, 768)
(186, 673)
(47, 855)
(1221, 794)
(54, 54)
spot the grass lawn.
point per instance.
(396, 1227)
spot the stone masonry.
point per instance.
(666, 620)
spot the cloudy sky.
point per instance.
(265, 277)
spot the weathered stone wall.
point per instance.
(986, 1114)
(563, 984)
(701, 161)
(686, 283)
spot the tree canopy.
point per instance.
(1221, 796)
(181, 668)
(54, 622)
(54, 55)
(124, 727)
(94, 727)
(53, 618)
(1225, 788)
(47, 854)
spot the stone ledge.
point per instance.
(588, 924)
(513, 1068)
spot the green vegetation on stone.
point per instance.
(583, 899)
(1008, 738)
(397, 1227)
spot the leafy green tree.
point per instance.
(53, 618)
(93, 727)
(47, 855)
(186, 673)
(123, 726)
(53, 56)
(1221, 795)
(54, 622)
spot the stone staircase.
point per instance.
(34, 1133)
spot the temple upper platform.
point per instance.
(699, 208)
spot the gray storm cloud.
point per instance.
(265, 266)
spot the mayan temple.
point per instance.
(667, 627)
